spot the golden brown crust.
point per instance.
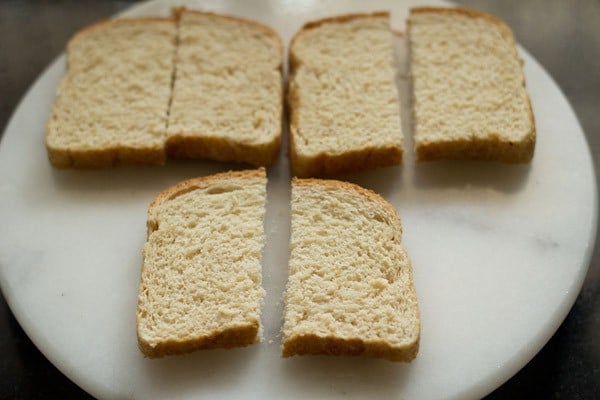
(368, 194)
(468, 13)
(330, 163)
(238, 336)
(104, 23)
(179, 11)
(106, 157)
(220, 149)
(336, 19)
(336, 346)
(201, 182)
(492, 148)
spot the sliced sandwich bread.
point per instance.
(198, 85)
(350, 289)
(342, 96)
(469, 97)
(111, 107)
(227, 95)
(201, 275)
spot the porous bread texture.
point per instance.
(201, 276)
(227, 96)
(469, 97)
(350, 289)
(342, 96)
(111, 107)
(198, 85)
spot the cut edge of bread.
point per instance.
(332, 345)
(241, 335)
(330, 163)
(494, 147)
(208, 146)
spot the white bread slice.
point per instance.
(111, 107)
(342, 96)
(469, 97)
(227, 95)
(201, 276)
(350, 289)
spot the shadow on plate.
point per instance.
(506, 178)
(360, 377)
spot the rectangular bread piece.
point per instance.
(201, 275)
(469, 97)
(350, 289)
(227, 95)
(111, 107)
(342, 96)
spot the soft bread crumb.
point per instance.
(350, 288)
(469, 98)
(111, 107)
(201, 276)
(345, 113)
(227, 96)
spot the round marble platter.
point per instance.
(499, 253)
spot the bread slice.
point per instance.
(111, 107)
(350, 289)
(227, 96)
(201, 276)
(469, 97)
(343, 100)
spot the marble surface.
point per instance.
(510, 237)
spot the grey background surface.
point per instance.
(564, 36)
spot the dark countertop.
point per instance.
(563, 36)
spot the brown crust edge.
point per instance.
(335, 346)
(214, 148)
(329, 345)
(118, 21)
(197, 183)
(351, 187)
(104, 158)
(237, 336)
(178, 11)
(492, 148)
(328, 163)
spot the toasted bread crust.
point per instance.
(178, 11)
(197, 183)
(336, 346)
(106, 23)
(238, 336)
(493, 147)
(330, 163)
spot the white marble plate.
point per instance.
(499, 255)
